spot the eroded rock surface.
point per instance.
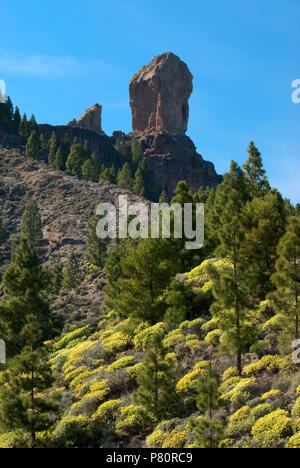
(90, 120)
(159, 94)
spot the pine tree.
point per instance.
(52, 150)
(258, 183)
(96, 247)
(188, 258)
(2, 230)
(108, 174)
(87, 148)
(138, 185)
(178, 304)
(17, 120)
(264, 223)
(33, 145)
(163, 197)
(71, 273)
(23, 406)
(90, 168)
(208, 428)
(113, 273)
(6, 115)
(63, 143)
(43, 143)
(32, 125)
(136, 152)
(31, 224)
(119, 147)
(147, 269)
(124, 178)
(287, 275)
(24, 282)
(75, 160)
(156, 382)
(24, 127)
(55, 278)
(59, 159)
(229, 284)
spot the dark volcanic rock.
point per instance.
(159, 94)
(170, 158)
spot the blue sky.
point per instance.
(60, 57)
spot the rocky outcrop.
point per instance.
(159, 94)
(90, 120)
(170, 158)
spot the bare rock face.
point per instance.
(159, 94)
(90, 120)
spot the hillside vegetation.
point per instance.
(140, 342)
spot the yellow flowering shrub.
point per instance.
(294, 441)
(122, 363)
(194, 326)
(16, 439)
(229, 384)
(70, 429)
(261, 410)
(270, 363)
(108, 411)
(272, 430)
(189, 380)
(173, 338)
(213, 337)
(176, 439)
(81, 379)
(156, 439)
(194, 345)
(242, 392)
(229, 373)
(116, 343)
(145, 336)
(296, 415)
(79, 333)
(240, 422)
(272, 394)
(74, 372)
(211, 325)
(133, 420)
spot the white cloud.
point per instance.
(46, 66)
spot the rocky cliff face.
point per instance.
(159, 94)
(171, 158)
(90, 120)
